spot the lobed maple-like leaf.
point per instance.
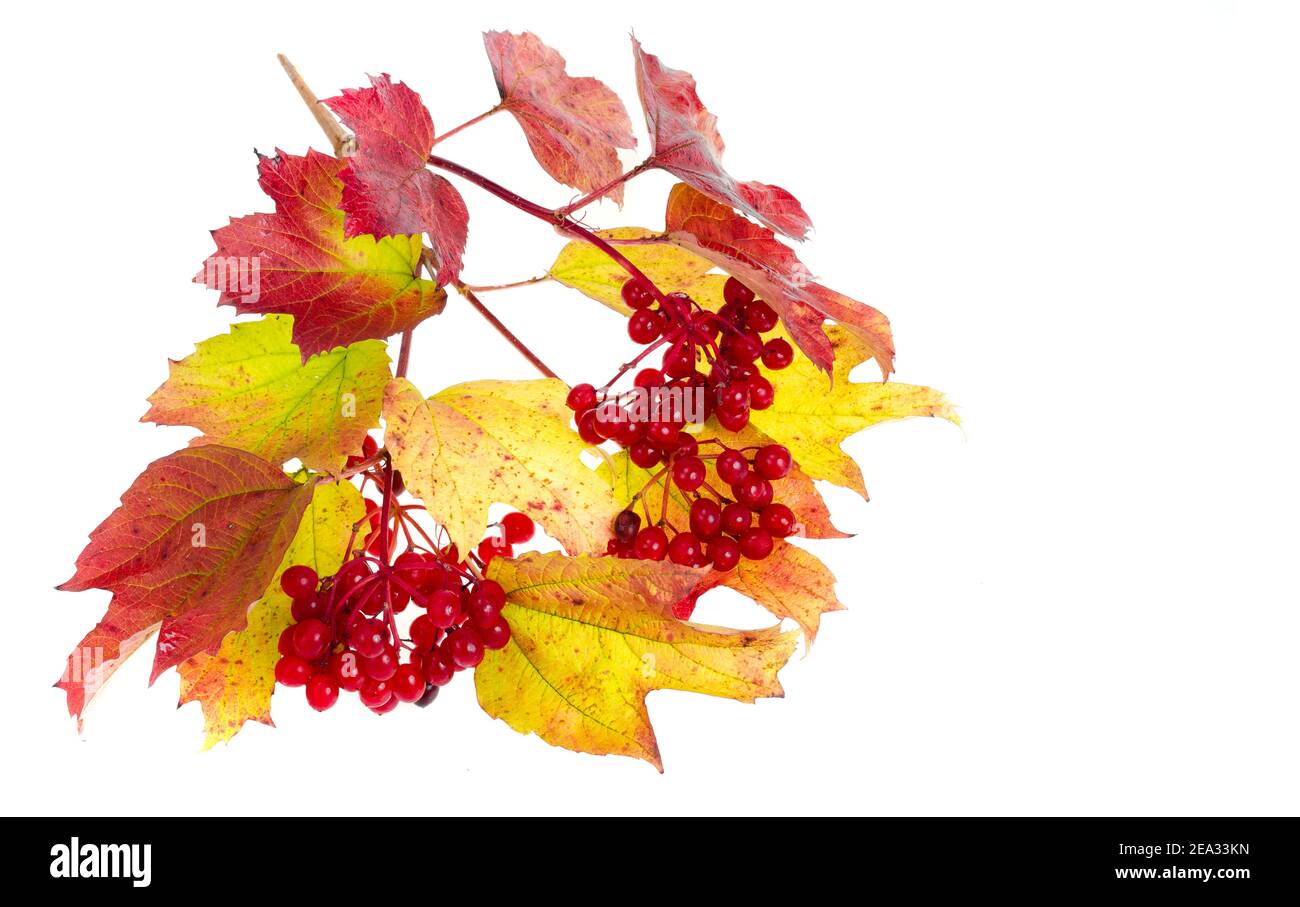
(574, 126)
(387, 187)
(482, 442)
(813, 420)
(235, 685)
(250, 389)
(591, 636)
(585, 268)
(298, 262)
(195, 542)
(687, 145)
(754, 256)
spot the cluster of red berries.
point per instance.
(345, 634)
(729, 344)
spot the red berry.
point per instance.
(380, 667)
(777, 519)
(679, 360)
(636, 294)
(303, 608)
(651, 544)
(369, 638)
(299, 581)
(292, 671)
(311, 639)
(741, 349)
(438, 670)
(732, 418)
(759, 316)
(493, 591)
(736, 518)
(662, 434)
(734, 395)
(754, 491)
(518, 527)
(628, 432)
(482, 610)
(648, 378)
(777, 353)
(408, 683)
(644, 454)
(685, 549)
(581, 398)
(736, 293)
(369, 447)
(761, 393)
(724, 553)
(465, 647)
(285, 644)
(688, 473)
(496, 634)
(322, 692)
(731, 466)
(773, 461)
(645, 326)
(706, 518)
(375, 694)
(687, 446)
(424, 633)
(347, 671)
(444, 608)
(626, 525)
(491, 547)
(587, 428)
(756, 544)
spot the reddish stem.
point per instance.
(606, 189)
(562, 222)
(465, 125)
(404, 354)
(506, 332)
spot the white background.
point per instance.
(1083, 221)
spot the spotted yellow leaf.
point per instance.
(590, 271)
(591, 636)
(484, 442)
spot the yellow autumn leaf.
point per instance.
(789, 582)
(235, 685)
(583, 267)
(485, 442)
(591, 636)
(813, 420)
(250, 389)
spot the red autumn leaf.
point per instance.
(573, 125)
(298, 262)
(687, 145)
(754, 256)
(195, 542)
(387, 187)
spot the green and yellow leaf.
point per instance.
(591, 636)
(250, 389)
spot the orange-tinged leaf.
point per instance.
(789, 582)
(754, 256)
(813, 420)
(687, 145)
(195, 542)
(250, 389)
(497, 441)
(591, 636)
(574, 126)
(387, 187)
(583, 267)
(235, 685)
(297, 262)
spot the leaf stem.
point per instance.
(505, 331)
(607, 188)
(508, 286)
(468, 123)
(561, 222)
(404, 353)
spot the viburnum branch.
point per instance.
(404, 354)
(562, 222)
(339, 138)
(604, 190)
